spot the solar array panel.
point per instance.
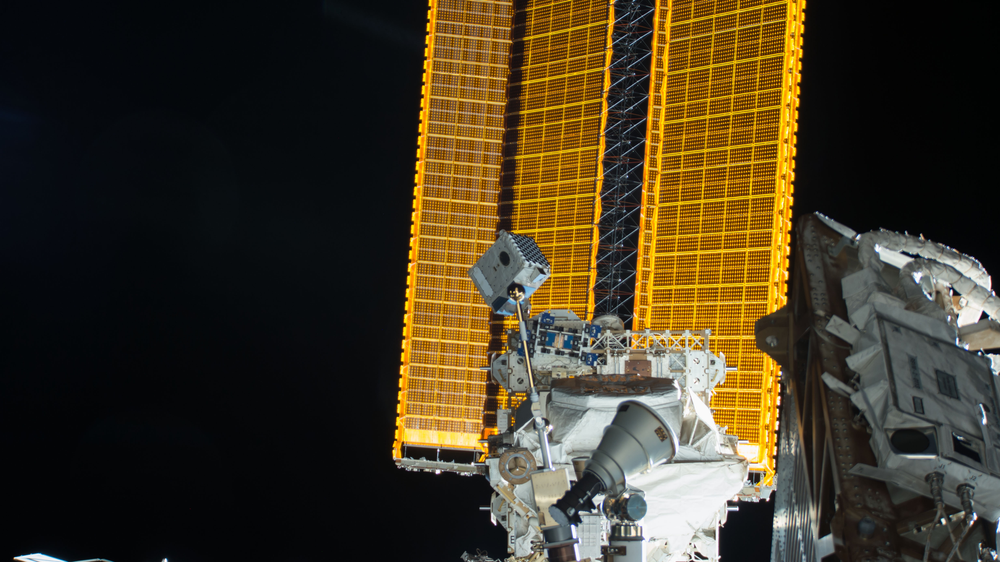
(717, 204)
(512, 136)
(554, 143)
(445, 336)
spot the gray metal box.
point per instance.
(511, 260)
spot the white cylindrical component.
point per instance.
(978, 296)
(965, 265)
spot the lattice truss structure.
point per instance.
(665, 340)
(624, 156)
(521, 129)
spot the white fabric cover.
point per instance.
(579, 419)
(685, 497)
(684, 501)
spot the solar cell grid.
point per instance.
(551, 173)
(442, 391)
(718, 190)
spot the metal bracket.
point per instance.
(844, 241)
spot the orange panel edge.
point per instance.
(397, 446)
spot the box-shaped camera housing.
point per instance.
(511, 261)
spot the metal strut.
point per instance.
(541, 427)
(625, 147)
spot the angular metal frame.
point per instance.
(820, 506)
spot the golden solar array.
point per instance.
(513, 116)
(719, 192)
(554, 143)
(442, 390)
(551, 179)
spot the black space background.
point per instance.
(204, 223)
